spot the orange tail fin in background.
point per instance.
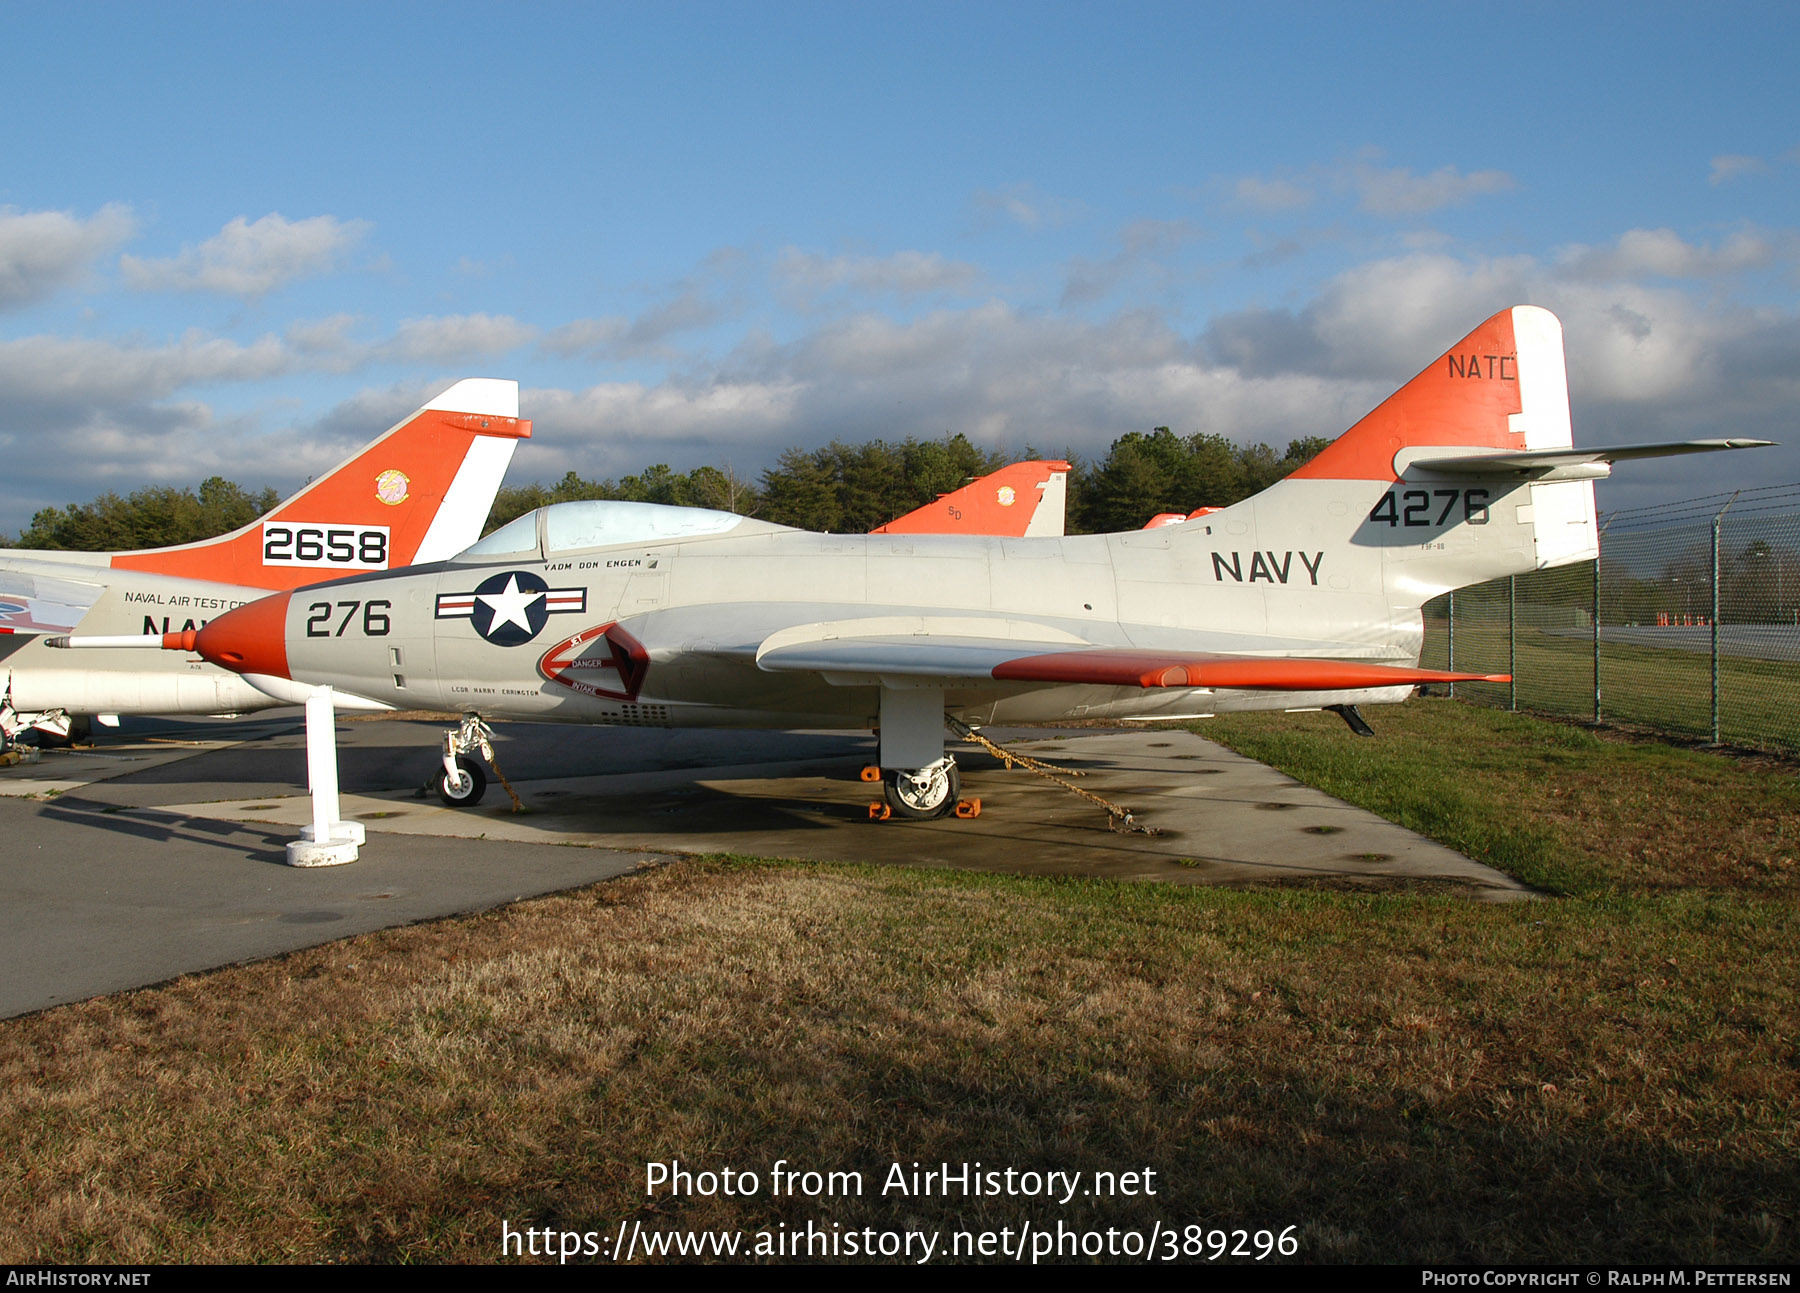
(1026, 499)
(419, 493)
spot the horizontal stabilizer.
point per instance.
(1553, 464)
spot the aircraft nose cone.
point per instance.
(250, 639)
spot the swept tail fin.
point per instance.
(1502, 387)
(418, 493)
(1023, 500)
(1467, 473)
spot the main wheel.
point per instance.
(466, 791)
(921, 793)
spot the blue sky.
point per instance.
(243, 239)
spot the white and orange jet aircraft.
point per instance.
(1306, 596)
(419, 493)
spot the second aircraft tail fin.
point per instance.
(1023, 500)
(418, 493)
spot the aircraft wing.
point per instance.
(976, 659)
(35, 603)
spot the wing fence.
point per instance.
(1689, 624)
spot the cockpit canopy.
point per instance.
(602, 523)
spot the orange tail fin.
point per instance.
(418, 493)
(1501, 387)
(1024, 499)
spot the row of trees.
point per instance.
(851, 489)
(841, 488)
(1759, 583)
(147, 518)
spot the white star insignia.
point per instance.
(509, 605)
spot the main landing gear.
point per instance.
(921, 793)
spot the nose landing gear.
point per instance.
(465, 788)
(459, 781)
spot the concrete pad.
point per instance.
(101, 898)
(171, 859)
(1219, 818)
(57, 771)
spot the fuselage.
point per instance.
(667, 631)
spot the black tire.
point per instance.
(904, 797)
(467, 794)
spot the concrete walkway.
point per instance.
(160, 853)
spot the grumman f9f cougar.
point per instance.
(1306, 596)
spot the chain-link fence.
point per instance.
(1688, 624)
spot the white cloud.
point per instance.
(903, 273)
(692, 308)
(616, 337)
(586, 336)
(249, 259)
(457, 336)
(72, 374)
(697, 301)
(1728, 166)
(1397, 191)
(1024, 205)
(1271, 194)
(41, 251)
(321, 337)
(1004, 377)
(1657, 351)
(85, 414)
(1142, 244)
(1645, 362)
(1383, 191)
(1663, 253)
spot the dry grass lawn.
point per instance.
(1608, 1075)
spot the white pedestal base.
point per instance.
(333, 852)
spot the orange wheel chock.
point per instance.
(871, 773)
(879, 812)
(966, 808)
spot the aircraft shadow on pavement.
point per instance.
(243, 840)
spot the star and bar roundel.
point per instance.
(512, 608)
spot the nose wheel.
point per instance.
(921, 793)
(459, 780)
(466, 788)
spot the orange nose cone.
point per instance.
(250, 639)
